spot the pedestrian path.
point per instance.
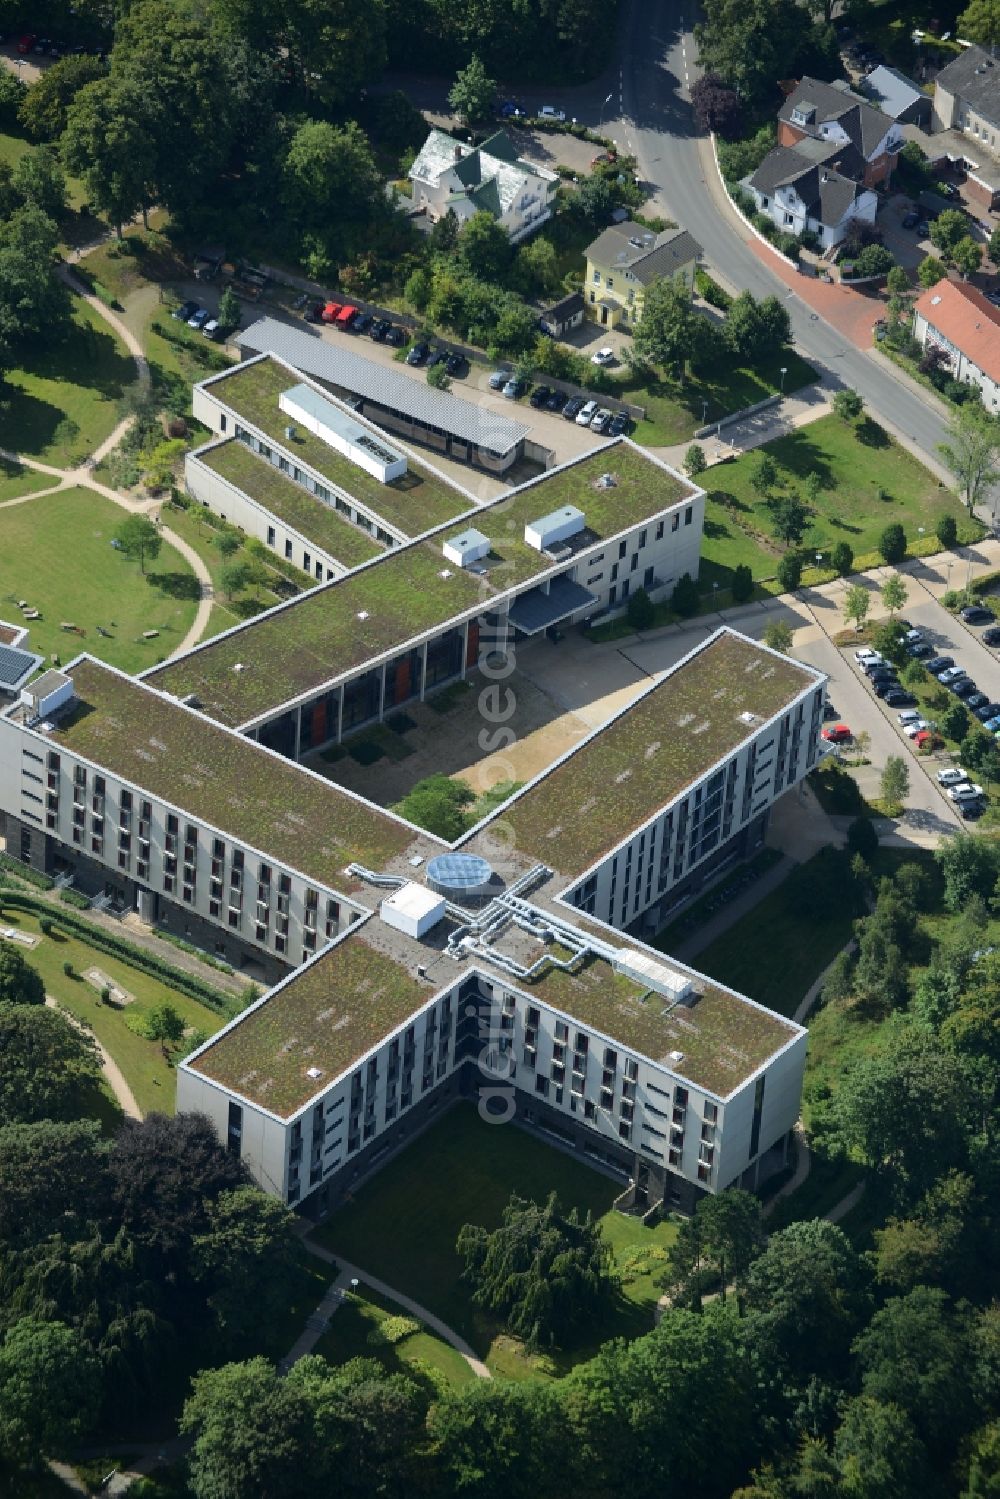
(317, 1324)
(116, 1078)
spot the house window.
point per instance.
(597, 278)
(270, 536)
(288, 550)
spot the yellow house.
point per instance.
(624, 260)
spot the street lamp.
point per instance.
(704, 411)
(782, 372)
(605, 105)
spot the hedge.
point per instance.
(117, 947)
(26, 873)
(74, 898)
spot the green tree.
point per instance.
(968, 256)
(438, 377)
(857, 602)
(49, 1069)
(139, 539)
(12, 95)
(955, 722)
(806, 1297)
(789, 572)
(892, 543)
(20, 984)
(473, 93)
(862, 838)
(980, 22)
(50, 1389)
(45, 107)
(932, 1243)
(50, 1173)
(968, 865)
(763, 473)
(438, 804)
(748, 46)
(485, 247)
(848, 405)
(930, 272)
(895, 784)
(947, 230)
(946, 530)
(898, 282)
(685, 598)
(741, 586)
(893, 593)
(227, 542)
(492, 1438)
(878, 1453)
(39, 179)
(230, 312)
(234, 577)
(671, 334)
(778, 636)
(993, 247)
(332, 187)
(246, 1260)
(34, 304)
(537, 268)
(163, 1023)
(888, 639)
(640, 612)
(694, 460)
(972, 452)
(915, 1354)
(842, 558)
(251, 1433)
(874, 260)
(546, 1273)
(418, 288)
(109, 142)
(789, 517)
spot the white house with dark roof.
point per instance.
(832, 113)
(802, 188)
(451, 175)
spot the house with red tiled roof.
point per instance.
(957, 318)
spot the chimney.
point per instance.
(458, 153)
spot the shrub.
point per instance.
(946, 530)
(45, 926)
(74, 898)
(685, 598)
(68, 969)
(892, 543)
(26, 873)
(641, 613)
(862, 838)
(843, 558)
(105, 995)
(790, 572)
(742, 584)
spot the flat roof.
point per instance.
(619, 777)
(287, 501)
(417, 502)
(235, 785)
(340, 364)
(300, 646)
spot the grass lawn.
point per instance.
(868, 481)
(100, 587)
(675, 411)
(776, 952)
(827, 1183)
(463, 1171)
(62, 400)
(355, 1332)
(142, 1062)
(16, 480)
(199, 535)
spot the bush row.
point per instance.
(26, 873)
(74, 898)
(195, 952)
(117, 947)
(203, 353)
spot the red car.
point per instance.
(346, 316)
(331, 312)
(925, 737)
(837, 733)
(26, 42)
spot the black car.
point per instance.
(879, 669)
(898, 697)
(539, 396)
(940, 663)
(954, 684)
(418, 353)
(455, 364)
(919, 650)
(556, 401)
(184, 311)
(911, 220)
(394, 336)
(42, 46)
(975, 614)
(621, 425)
(378, 330)
(884, 686)
(965, 687)
(314, 312)
(573, 407)
(362, 322)
(829, 711)
(437, 356)
(992, 637)
(976, 700)
(987, 711)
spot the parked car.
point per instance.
(923, 228)
(185, 310)
(602, 421)
(538, 396)
(499, 379)
(26, 42)
(920, 650)
(987, 711)
(586, 413)
(455, 364)
(976, 614)
(947, 189)
(976, 700)
(379, 328)
(948, 674)
(514, 388)
(865, 653)
(621, 424)
(992, 637)
(42, 45)
(507, 109)
(330, 311)
(913, 637)
(993, 724)
(556, 402)
(549, 112)
(910, 716)
(394, 335)
(572, 408)
(603, 357)
(915, 727)
(911, 220)
(897, 696)
(212, 329)
(436, 356)
(924, 739)
(965, 689)
(418, 353)
(362, 323)
(966, 792)
(346, 316)
(938, 663)
(837, 733)
(314, 312)
(951, 777)
(200, 318)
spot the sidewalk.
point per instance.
(753, 431)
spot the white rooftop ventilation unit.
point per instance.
(656, 976)
(558, 526)
(467, 547)
(413, 909)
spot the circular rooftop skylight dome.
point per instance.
(459, 876)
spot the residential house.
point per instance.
(831, 112)
(563, 315)
(967, 106)
(957, 318)
(814, 185)
(449, 174)
(625, 259)
(896, 96)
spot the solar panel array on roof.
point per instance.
(15, 667)
(384, 387)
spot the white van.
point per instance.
(586, 414)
